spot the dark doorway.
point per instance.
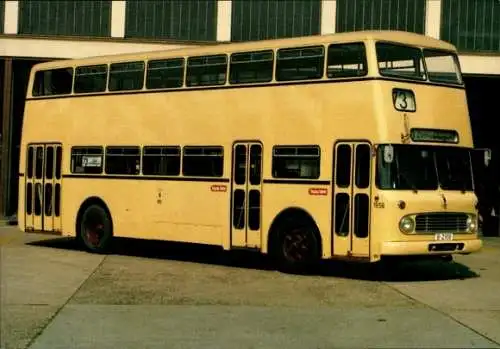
(482, 92)
(14, 110)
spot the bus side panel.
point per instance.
(72, 196)
(149, 209)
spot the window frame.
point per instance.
(91, 66)
(163, 157)
(364, 63)
(295, 157)
(396, 76)
(190, 67)
(123, 72)
(233, 81)
(203, 147)
(136, 172)
(39, 87)
(321, 71)
(164, 60)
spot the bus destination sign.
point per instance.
(433, 135)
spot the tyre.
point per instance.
(297, 248)
(95, 229)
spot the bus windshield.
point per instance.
(413, 63)
(424, 168)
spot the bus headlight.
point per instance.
(471, 224)
(406, 225)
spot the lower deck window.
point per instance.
(296, 162)
(87, 159)
(123, 160)
(161, 161)
(203, 161)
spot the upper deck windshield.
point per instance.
(413, 63)
(424, 168)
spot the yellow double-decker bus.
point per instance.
(354, 146)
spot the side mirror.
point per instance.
(388, 154)
(487, 157)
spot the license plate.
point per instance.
(443, 236)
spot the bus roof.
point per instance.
(193, 50)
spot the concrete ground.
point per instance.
(165, 295)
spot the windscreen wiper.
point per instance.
(409, 182)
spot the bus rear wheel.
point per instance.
(297, 248)
(95, 230)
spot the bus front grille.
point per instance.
(439, 222)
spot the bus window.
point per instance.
(206, 70)
(442, 66)
(126, 76)
(346, 60)
(343, 166)
(342, 216)
(86, 160)
(248, 67)
(362, 170)
(91, 78)
(203, 161)
(161, 161)
(123, 160)
(300, 63)
(53, 82)
(400, 61)
(165, 73)
(296, 162)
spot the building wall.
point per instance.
(270, 19)
(34, 28)
(2, 13)
(472, 26)
(407, 15)
(167, 19)
(65, 18)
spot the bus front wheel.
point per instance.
(297, 248)
(95, 230)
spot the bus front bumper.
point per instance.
(413, 248)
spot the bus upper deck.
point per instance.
(408, 66)
(365, 54)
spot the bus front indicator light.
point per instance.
(406, 225)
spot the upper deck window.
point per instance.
(91, 78)
(400, 61)
(165, 73)
(303, 63)
(442, 66)
(346, 60)
(126, 76)
(248, 67)
(206, 70)
(53, 82)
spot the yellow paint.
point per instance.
(274, 115)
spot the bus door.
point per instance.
(43, 187)
(351, 199)
(246, 195)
